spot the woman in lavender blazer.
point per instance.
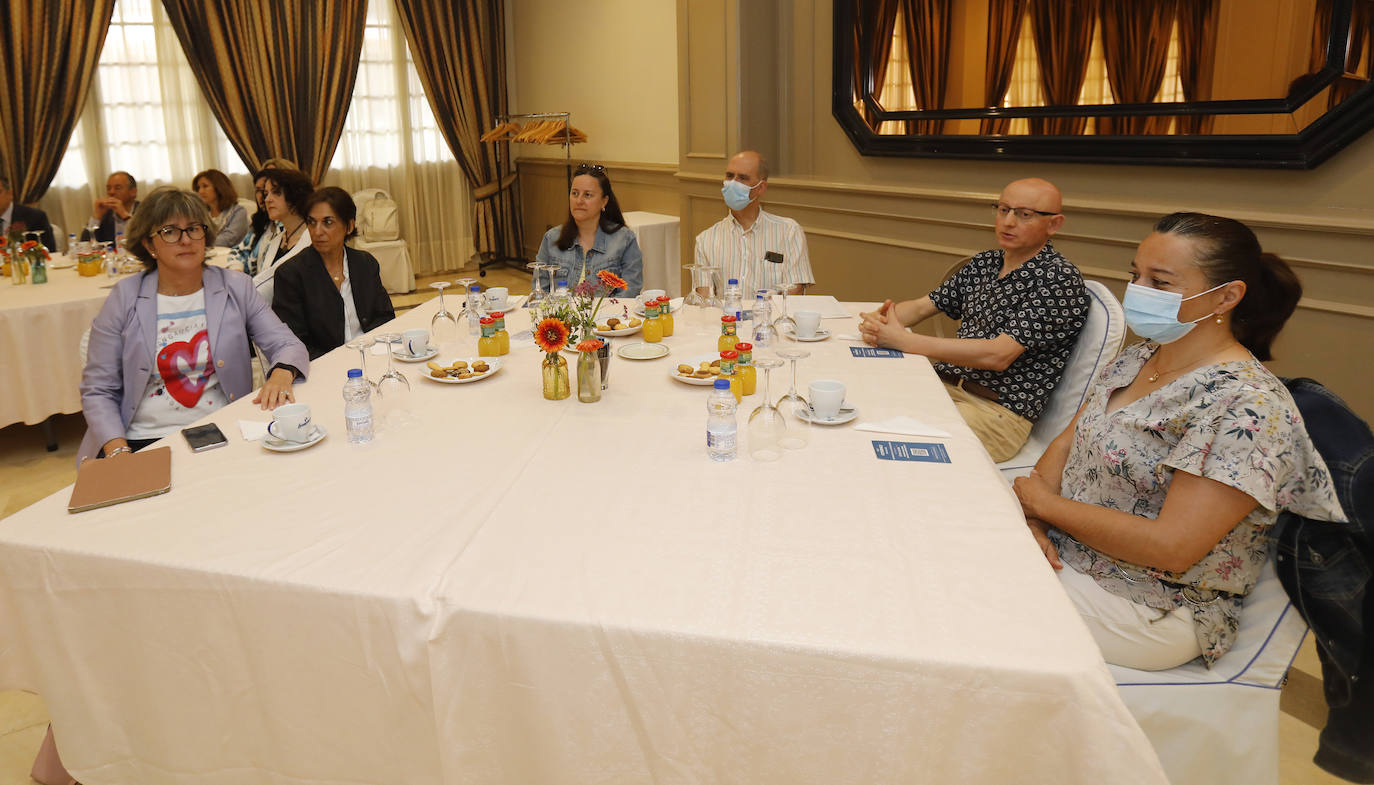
(172, 344)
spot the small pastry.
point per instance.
(480, 367)
(459, 365)
(438, 373)
(433, 366)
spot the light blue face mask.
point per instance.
(737, 194)
(1153, 313)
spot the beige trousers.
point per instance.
(1001, 431)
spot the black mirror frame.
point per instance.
(1321, 139)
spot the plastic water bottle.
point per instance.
(474, 309)
(722, 432)
(115, 257)
(72, 247)
(357, 395)
(764, 335)
(732, 304)
(561, 294)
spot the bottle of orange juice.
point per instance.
(744, 369)
(665, 315)
(502, 337)
(488, 345)
(653, 326)
(727, 371)
(727, 339)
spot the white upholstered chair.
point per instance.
(1100, 340)
(1221, 726)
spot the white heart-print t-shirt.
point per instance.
(183, 386)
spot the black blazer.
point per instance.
(36, 221)
(308, 302)
(105, 232)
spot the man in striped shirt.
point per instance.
(738, 243)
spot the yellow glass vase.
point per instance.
(557, 386)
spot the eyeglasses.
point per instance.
(172, 234)
(585, 168)
(1022, 213)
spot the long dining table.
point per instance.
(505, 589)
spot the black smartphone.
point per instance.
(204, 437)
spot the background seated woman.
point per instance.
(594, 237)
(287, 190)
(330, 293)
(1160, 495)
(228, 219)
(190, 322)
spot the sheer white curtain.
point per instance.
(391, 141)
(146, 115)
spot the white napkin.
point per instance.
(252, 430)
(907, 426)
(827, 306)
(849, 337)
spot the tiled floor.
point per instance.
(28, 473)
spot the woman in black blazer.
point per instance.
(310, 288)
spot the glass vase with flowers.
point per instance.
(551, 334)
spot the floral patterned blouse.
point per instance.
(1234, 423)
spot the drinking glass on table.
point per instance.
(393, 388)
(767, 426)
(796, 410)
(443, 325)
(537, 293)
(361, 344)
(784, 324)
(702, 279)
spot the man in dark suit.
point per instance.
(31, 219)
(115, 209)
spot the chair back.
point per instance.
(1103, 333)
(249, 205)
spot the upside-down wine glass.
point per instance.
(361, 344)
(701, 279)
(784, 324)
(767, 426)
(537, 293)
(393, 388)
(796, 410)
(443, 325)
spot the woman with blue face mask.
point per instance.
(1160, 496)
(594, 237)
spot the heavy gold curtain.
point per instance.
(1197, 43)
(926, 24)
(875, 21)
(1063, 31)
(1135, 45)
(1004, 30)
(277, 75)
(459, 48)
(48, 54)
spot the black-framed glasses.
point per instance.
(584, 168)
(172, 234)
(1022, 213)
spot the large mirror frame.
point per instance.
(1318, 141)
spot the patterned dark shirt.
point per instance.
(1042, 304)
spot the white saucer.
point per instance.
(415, 358)
(643, 351)
(821, 335)
(847, 414)
(274, 444)
(512, 304)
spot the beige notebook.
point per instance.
(100, 483)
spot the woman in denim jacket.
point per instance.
(594, 237)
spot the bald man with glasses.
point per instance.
(1020, 308)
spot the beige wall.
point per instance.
(612, 63)
(880, 227)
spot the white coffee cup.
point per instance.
(415, 342)
(827, 396)
(650, 294)
(291, 423)
(496, 298)
(808, 322)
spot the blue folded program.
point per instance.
(911, 451)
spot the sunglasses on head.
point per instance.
(585, 168)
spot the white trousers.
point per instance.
(1130, 634)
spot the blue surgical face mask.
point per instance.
(1153, 313)
(737, 195)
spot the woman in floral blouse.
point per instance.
(1160, 495)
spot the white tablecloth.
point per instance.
(40, 336)
(658, 237)
(516, 590)
(398, 276)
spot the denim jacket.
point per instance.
(617, 252)
(1325, 568)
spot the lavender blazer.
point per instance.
(123, 347)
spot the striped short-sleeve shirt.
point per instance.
(739, 252)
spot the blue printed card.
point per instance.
(911, 451)
(868, 351)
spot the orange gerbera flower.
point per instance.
(611, 280)
(551, 335)
(589, 345)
